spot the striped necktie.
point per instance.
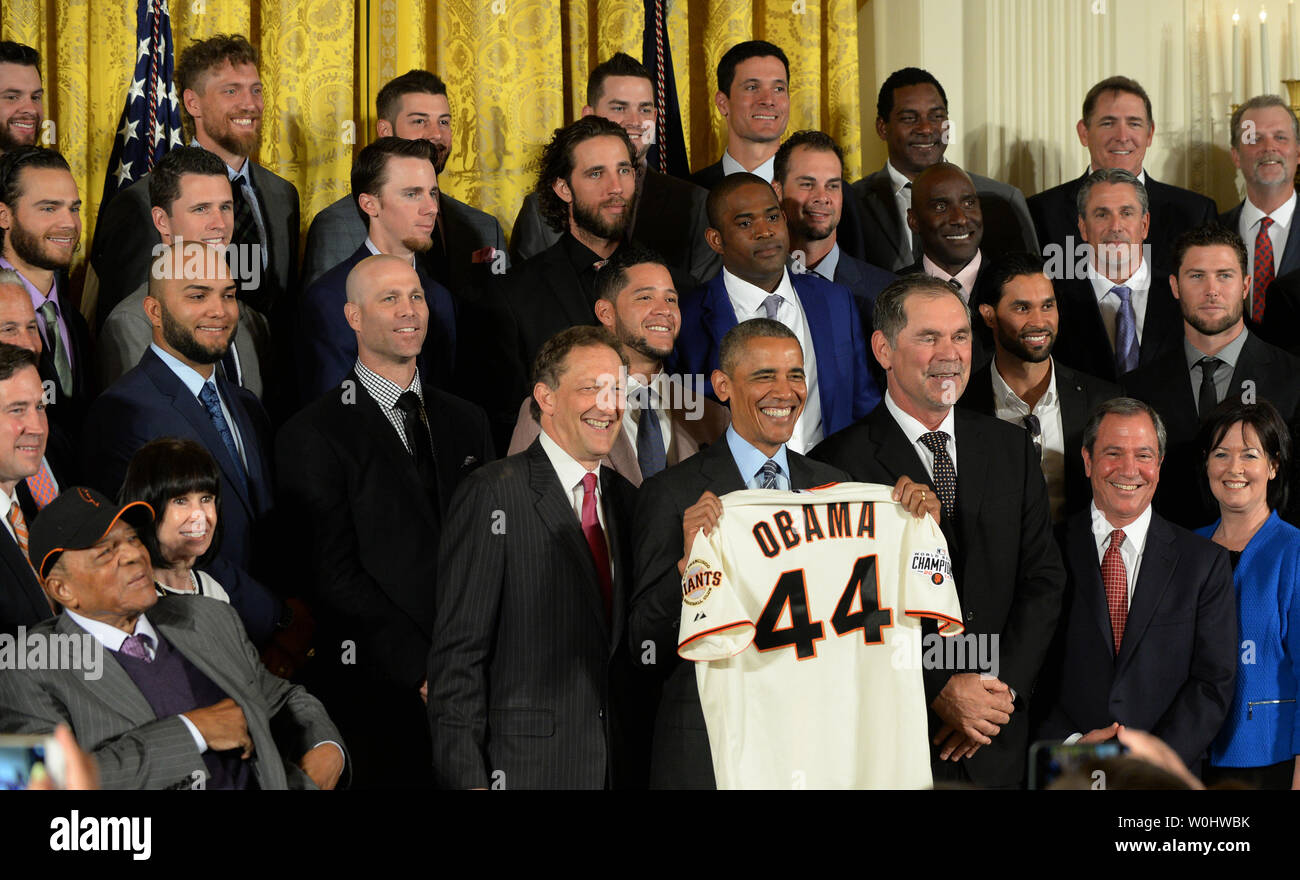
(19, 524)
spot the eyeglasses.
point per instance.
(1035, 429)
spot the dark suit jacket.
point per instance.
(1079, 394)
(67, 413)
(529, 681)
(1281, 323)
(845, 387)
(327, 345)
(135, 749)
(670, 219)
(1008, 569)
(1263, 372)
(1173, 211)
(22, 601)
(708, 176)
(681, 756)
(1082, 343)
(1177, 666)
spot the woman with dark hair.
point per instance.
(1248, 459)
(181, 482)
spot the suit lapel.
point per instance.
(277, 239)
(972, 473)
(719, 316)
(622, 564)
(22, 580)
(1164, 320)
(1290, 254)
(892, 449)
(622, 458)
(719, 469)
(1089, 590)
(824, 332)
(114, 688)
(879, 202)
(1158, 561)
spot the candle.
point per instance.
(1265, 88)
(1236, 58)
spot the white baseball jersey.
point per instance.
(802, 611)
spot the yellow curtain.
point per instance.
(515, 70)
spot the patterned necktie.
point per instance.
(1035, 429)
(1126, 344)
(595, 536)
(1208, 398)
(208, 397)
(767, 475)
(1115, 577)
(137, 647)
(1263, 275)
(19, 524)
(771, 304)
(41, 485)
(650, 453)
(246, 230)
(945, 475)
(62, 365)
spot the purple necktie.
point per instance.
(136, 647)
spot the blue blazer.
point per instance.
(327, 346)
(1267, 579)
(844, 386)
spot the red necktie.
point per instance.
(1263, 269)
(596, 541)
(1115, 577)
(41, 485)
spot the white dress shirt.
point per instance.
(1139, 282)
(1248, 229)
(1135, 542)
(1010, 408)
(766, 171)
(966, 277)
(747, 302)
(913, 429)
(902, 201)
(632, 414)
(570, 472)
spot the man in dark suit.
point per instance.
(530, 683)
(176, 391)
(1265, 138)
(41, 223)
(995, 517)
(912, 120)
(754, 97)
(370, 493)
(23, 431)
(809, 181)
(668, 419)
(747, 227)
(467, 243)
(669, 216)
(396, 191)
(1148, 637)
(1117, 312)
(1219, 359)
(1025, 386)
(220, 92)
(20, 81)
(180, 699)
(1117, 127)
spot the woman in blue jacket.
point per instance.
(1247, 461)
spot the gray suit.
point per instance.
(338, 231)
(127, 333)
(113, 721)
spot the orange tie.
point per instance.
(20, 527)
(41, 485)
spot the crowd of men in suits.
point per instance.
(458, 483)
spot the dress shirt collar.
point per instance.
(583, 258)
(912, 428)
(384, 390)
(1101, 285)
(569, 470)
(1228, 354)
(1135, 532)
(826, 268)
(749, 297)
(189, 377)
(110, 636)
(965, 277)
(1005, 398)
(370, 246)
(637, 391)
(38, 299)
(731, 166)
(1251, 215)
(7, 502)
(896, 177)
(240, 173)
(750, 460)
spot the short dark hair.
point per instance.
(890, 315)
(1010, 265)
(723, 189)
(1114, 84)
(1207, 236)
(17, 53)
(556, 163)
(619, 64)
(1110, 175)
(612, 277)
(15, 161)
(165, 179)
(900, 79)
(1273, 434)
(813, 140)
(734, 340)
(1123, 406)
(370, 171)
(199, 57)
(413, 82)
(732, 58)
(548, 366)
(168, 468)
(1260, 102)
(13, 358)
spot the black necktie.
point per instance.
(421, 446)
(945, 475)
(1208, 399)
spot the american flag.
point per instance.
(150, 124)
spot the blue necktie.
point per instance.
(208, 397)
(650, 454)
(1126, 344)
(767, 475)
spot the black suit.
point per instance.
(367, 529)
(1079, 395)
(1262, 372)
(530, 685)
(1009, 573)
(708, 176)
(1082, 342)
(681, 757)
(1173, 211)
(1177, 665)
(67, 412)
(1281, 323)
(22, 601)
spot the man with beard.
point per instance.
(40, 219)
(1218, 359)
(395, 190)
(176, 391)
(21, 96)
(1023, 385)
(662, 425)
(221, 99)
(466, 242)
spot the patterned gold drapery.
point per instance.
(515, 70)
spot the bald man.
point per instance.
(367, 471)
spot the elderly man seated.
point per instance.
(171, 693)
